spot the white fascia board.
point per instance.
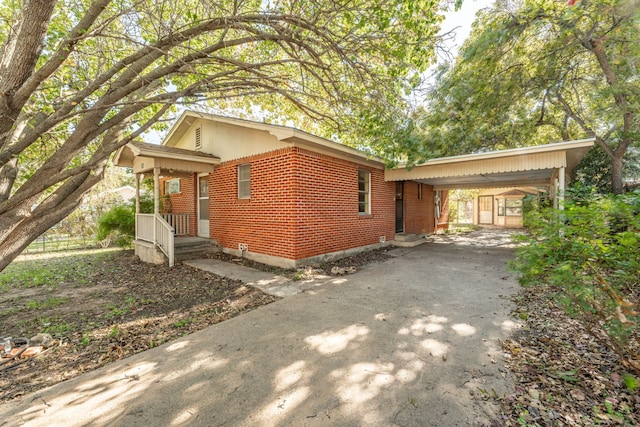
(557, 146)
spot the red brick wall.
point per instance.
(265, 221)
(327, 204)
(185, 201)
(302, 204)
(418, 213)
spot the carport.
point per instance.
(545, 166)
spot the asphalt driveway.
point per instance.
(406, 342)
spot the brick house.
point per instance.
(275, 194)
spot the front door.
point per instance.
(485, 211)
(399, 207)
(203, 205)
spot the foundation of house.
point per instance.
(295, 263)
(148, 252)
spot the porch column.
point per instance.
(156, 200)
(135, 222)
(156, 191)
(555, 193)
(137, 193)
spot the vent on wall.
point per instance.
(198, 141)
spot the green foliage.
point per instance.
(86, 339)
(55, 326)
(183, 322)
(114, 332)
(48, 271)
(541, 72)
(119, 222)
(48, 303)
(630, 381)
(588, 255)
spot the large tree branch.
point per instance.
(20, 51)
(130, 81)
(62, 53)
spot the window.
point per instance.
(172, 186)
(500, 207)
(513, 207)
(198, 138)
(419, 191)
(244, 181)
(364, 179)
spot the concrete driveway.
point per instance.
(406, 342)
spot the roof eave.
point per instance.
(556, 146)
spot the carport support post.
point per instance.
(561, 188)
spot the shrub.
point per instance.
(588, 255)
(118, 223)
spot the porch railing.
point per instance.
(154, 229)
(179, 222)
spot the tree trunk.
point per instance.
(24, 225)
(616, 174)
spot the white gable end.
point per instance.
(226, 141)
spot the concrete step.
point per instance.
(187, 248)
(195, 253)
(406, 237)
(407, 240)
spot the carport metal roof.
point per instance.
(542, 165)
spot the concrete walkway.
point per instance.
(406, 342)
(267, 282)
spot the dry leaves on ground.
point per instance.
(100, 307)
(563, 375)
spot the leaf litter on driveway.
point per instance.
(563, 375)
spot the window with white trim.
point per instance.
(244, 181)
(513, 207)
(172, 186)
(509, 207)
(364, 185)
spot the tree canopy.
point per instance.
(538, 71)
(81, 78)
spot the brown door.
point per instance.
(399, 207)
(485, 211)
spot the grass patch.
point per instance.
(55, 327)
(48, 303)
(49, 270)
(183, 322)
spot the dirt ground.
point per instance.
(104, 306)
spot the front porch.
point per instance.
(159, 235)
